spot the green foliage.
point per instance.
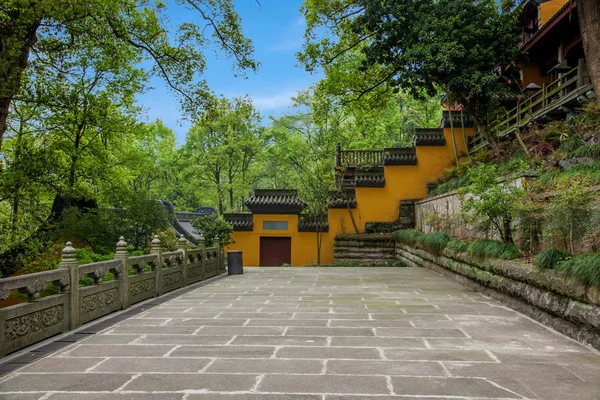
(569, 211)
(486, 248)
(434, 242)
(102, 228)
(549, 258)
(408, 236)
(223, 146)
(491, 200)
(458, 245)
(121, 33)
(365, 48)
(86, 255)
(214, 228)
(169, 240)
(585, 268)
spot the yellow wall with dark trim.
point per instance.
(402, 182)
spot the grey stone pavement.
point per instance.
(322, 334)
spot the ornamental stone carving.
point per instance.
(172, 279)
(36, 286)
(98, 301)
(140, 287)
(16, 328)
(4, 293)
(194, 272)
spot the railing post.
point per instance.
(182, 245)
(121, 254)
(544, 100)
(580, 67)
(220, 258)
(338, 155)
(69, 261)
(156, 249)
(202, 246)
(519, 112)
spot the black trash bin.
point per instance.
(235, 265)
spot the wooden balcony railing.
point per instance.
(554, 94)
(355, 158)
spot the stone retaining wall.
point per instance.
(131, 280)
(364, 249)
(562, 304)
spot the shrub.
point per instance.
(490, 200)
(486, 248)
(434, 242)
(585, 268)
(86, 255)
(407, 236)
(549, 258)
(458, 245)
(214, 228)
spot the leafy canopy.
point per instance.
(367, 46)
(42, 32)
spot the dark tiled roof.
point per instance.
(310, 224)
(343, 200)
(456, 120)
(240, 222)
(275, 201)
(400, 156)
(430, 137)
(370, 181)
(370, 177)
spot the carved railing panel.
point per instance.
(28, 323)
(115, 284)
(142, 287)
(212, 262)
(195, 267)
(98, 300)
(172, 278)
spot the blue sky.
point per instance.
(276, 29)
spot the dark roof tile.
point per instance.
(275, 201)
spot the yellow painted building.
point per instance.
(276, 232)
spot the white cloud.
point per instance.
(275, 101)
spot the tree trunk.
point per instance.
(352, 218)
(486, 134)
(589, 21)
(16, 40)
(508, 237)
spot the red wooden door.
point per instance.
(275, 251)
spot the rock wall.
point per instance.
(364, 249)
(562, 304)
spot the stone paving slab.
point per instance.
(317, 334)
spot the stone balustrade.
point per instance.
(115, 285)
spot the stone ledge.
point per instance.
(574, 318)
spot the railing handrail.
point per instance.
(542, 96)
(36, 281)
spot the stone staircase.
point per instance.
(364, 249)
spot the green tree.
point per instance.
(301, 155)
(40, 32)
(223, 146)
(213, 228)
(570, 211)
(495, 202)
(368, 46)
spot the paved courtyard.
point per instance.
(322, 334)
